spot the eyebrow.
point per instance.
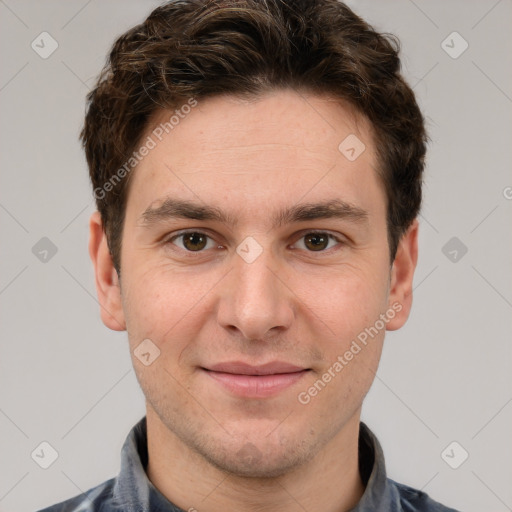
(172, 208)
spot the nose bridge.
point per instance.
(255, 278)
(255, 301)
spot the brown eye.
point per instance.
(194, 241)
(316, 241)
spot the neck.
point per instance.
(329, 482)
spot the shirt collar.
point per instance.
(134, 492)
(379, 493)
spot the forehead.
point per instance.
(283, 117)
(281, 145)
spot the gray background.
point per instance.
(446, 376)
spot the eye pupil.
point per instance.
(194, 241)
(316, 241)
(197, 241)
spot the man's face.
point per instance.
(258, 291)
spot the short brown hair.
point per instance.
(202, 48)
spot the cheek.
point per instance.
(359, 301)
(154, 291)
(169, 307)
(161, 387)
(348, 300)
(152, 305)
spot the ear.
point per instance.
(107, 282)
(402, 273)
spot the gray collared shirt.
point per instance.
(131, 490)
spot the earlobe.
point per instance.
(107, 282)
(402, 274)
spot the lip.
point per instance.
(249, 381)
(240, 368)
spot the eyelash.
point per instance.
(170, 240)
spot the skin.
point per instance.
(208, 448)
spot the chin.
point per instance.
(249, 462)
(260, 458)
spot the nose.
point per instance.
(255, 302)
